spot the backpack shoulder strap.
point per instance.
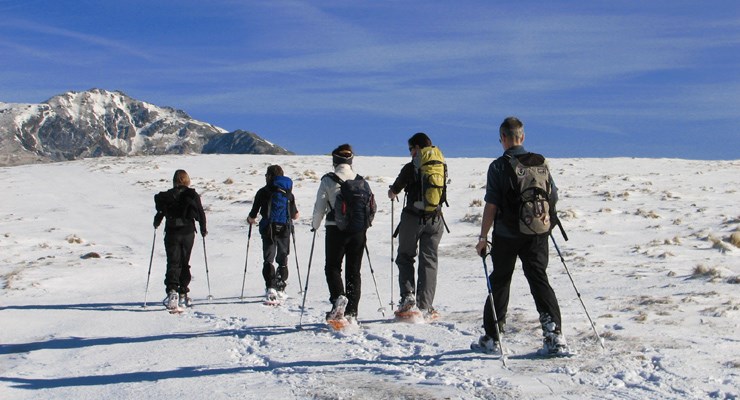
(334, 177)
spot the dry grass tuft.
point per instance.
(719, 244)
(702, 271)
(74, 239)
(472, 218)
(735, 239)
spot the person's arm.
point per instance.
(489, 210)
(158, 219)
(489, 214)
(201, 215)
(320, 206)
(251, 218)
(294, 214)
(159, 216)
(404, 178)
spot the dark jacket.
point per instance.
(408, 182)
(194, 212)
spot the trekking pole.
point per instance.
(244, 279)
(493, 308)
(372, 273)
(593, 326)
(208, 280)
(393, 260)
(149, 273)
(295, 252)
(305, 290)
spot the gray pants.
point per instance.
(422, 236)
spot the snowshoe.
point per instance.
(431, 315)
(412, 315)
(271, 298)
(335, 318)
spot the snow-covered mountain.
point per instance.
(101, 123)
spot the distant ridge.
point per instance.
(98, 123)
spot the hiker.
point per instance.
(343, 242)
(419, 232)
(513, 238)
(181, 207)
(276, 205)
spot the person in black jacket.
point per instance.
(510, 244)
(181, 206)
(419, 233)
(275, 239)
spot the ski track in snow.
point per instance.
(640, 230)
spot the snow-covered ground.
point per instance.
(650, 252)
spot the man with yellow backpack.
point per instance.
(420, 230)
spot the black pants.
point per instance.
(178, 244)
(275, 248)
(348, 246)
(533, 251)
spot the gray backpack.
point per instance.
(529, 207)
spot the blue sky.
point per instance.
(588, 78)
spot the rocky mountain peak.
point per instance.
(98, 122)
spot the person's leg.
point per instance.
(283, 249)
(334, 247)
(535, 257)
(174, 262)
(269, 249)
(426, 286)
(186, 247)
(353, 265)
(503, 260)
(408, 236)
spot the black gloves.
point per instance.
(158, 219)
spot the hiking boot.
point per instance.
(172, 300)
(280, 285)
(407, 302)
(555, 344)
(488, 345)
(430, 314)
(185, 300)
(337, 310)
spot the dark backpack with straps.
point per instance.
(177, 206)
(278, 208)
(527, 201)
(354, 207)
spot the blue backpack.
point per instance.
(278, 209)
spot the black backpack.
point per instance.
(528, 208)
(177, 206)
(354, 207)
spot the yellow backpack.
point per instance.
(432, 173)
